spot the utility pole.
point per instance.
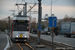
(51, 7)
(30, 19)
(9, 24)
(25, 9)
(39, 19)
(52, 29)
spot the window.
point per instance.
(21, 26)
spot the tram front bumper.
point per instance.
(19, 39)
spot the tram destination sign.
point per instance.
(21, 21)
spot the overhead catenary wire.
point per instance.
(14, 5)
(48, 5)
(34, 1)
(16, 1)
(13, 8)
(23, 0)
(20, 9)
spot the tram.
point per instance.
(20, 29)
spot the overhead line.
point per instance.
(49, 4)
(16, 1)
(34, 1)
(31, 7)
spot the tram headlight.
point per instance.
(16, 36)
(25, 36)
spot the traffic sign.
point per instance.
(40, 27)
(52, 21)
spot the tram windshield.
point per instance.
(21, 25)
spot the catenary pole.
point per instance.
(39, 18)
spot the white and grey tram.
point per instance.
(20, 29)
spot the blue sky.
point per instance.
(60, 8)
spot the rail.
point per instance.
(24, 44)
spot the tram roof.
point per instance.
(20, 18)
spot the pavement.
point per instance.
(58, 39)
(33, 44)
(5, 43)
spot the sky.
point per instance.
(60, 8)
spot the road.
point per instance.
(58, 39)
(3, 41)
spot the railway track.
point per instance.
(23, 46)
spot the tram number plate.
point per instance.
(21, 35)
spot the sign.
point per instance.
(40, 27)
(52, 35)
(66, 27)
(21, 20)
(52, 21)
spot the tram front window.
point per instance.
(21, 26)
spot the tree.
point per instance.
(4, 24)
(43, 25)
(65, 19)
(33, 23)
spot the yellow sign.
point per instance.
(40, 27)
(53, 28)
(21, 35)
(38, 34)
(21, 20)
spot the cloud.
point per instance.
(3, 16)
(60, 2)
(59, 11)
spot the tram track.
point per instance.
(23, 46)
(20, 48)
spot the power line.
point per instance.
(23, 0)
(34, 1)
(16, 1)
(48, 4)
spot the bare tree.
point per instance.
(33, 23)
